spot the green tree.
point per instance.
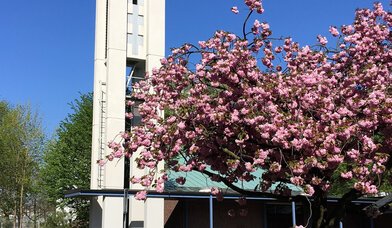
(21, 143)
(67, 159)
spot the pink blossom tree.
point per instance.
(325, 110)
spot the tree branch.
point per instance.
(235, 188)
(246, 20)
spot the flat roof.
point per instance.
(189, 195)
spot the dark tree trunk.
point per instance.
(319, 209)
(322, 218)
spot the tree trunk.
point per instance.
(35, 212)
(21, 198)
(321, 218)
(319, 210)
(14, 222)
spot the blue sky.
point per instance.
(47, 47)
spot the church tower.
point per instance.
(129, 40)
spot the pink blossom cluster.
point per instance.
(255, 5)
(239, 110)
(235, 10)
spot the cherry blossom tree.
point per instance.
(252, 102)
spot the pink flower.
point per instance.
(181, 125)
(378, 168)
(125, 135)
(190, 134)
(128, 115)
(347, 29)
(234, 9)
(322, 40)
(297, 181)
(202, 167)
(159, 188)
(101, 162)
(365, 188)
(163, 61)
(265, 26)
(135, 180)
(333, 31)
(231, 37)
(275, 167)
(202, 44)
(215, 191)
(110, 157)
(142, 195)
(353, 154)
(171, 119)
(316, 180)
(248, 167)
(218, 193)
(347, 175)
(117, 154)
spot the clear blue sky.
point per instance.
(47, 46)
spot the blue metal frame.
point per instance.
(152, 195)
(293, 213)
(211, 213)
(155, 195)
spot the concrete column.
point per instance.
(154, 208)
(115, 120)
(96, 212)
(155, 30)
(112, 216)
(99, 77)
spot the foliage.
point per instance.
(323, 116)
(67, 159)
(56, 219)
(21, 143)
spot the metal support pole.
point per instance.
(340, 224)
(265, 216)
(371, 223)
(186, 214)
(125, 208)
(211, 213)
(293, 213)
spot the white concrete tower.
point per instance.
(129, 40)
